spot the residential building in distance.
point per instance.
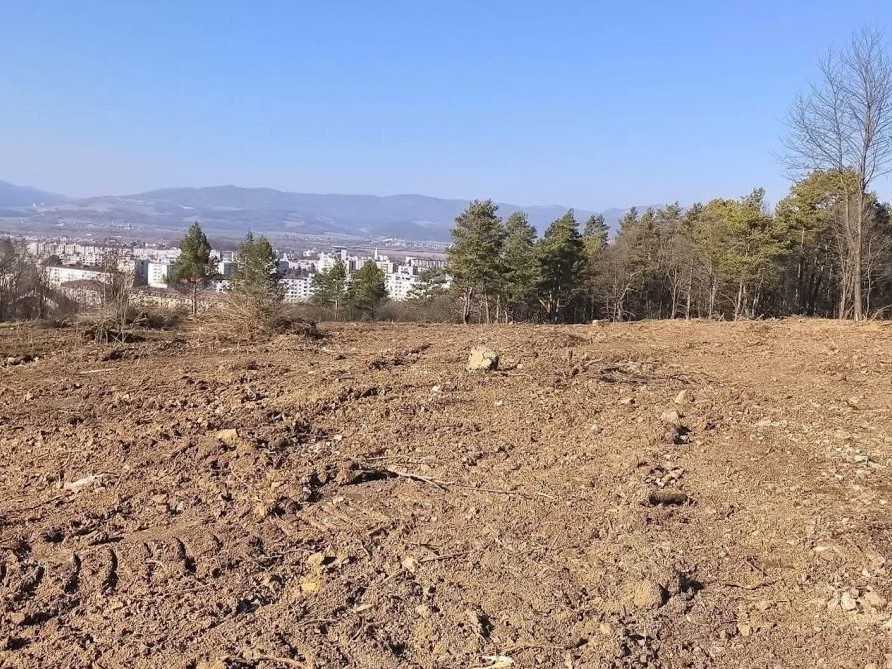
(158, 274)
(151, 266)
(59, 275)
(298, 288)
(226, 268)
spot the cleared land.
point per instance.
(364, 501)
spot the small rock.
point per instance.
(263, 508)
(679, 435)
(228, 436)
(743, 629)
(482, 360)
(669, 579)
(646, 594)
(316, 560)
(670, 416)
(346, 473)
(309, 585)
(423, 611)
(681, 398)
(668, 497)
(84, 483)
(847, 602)
(874, 599)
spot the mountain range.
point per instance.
(230, 211)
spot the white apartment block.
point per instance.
(59, 275)
(158, 273)
(226, 268)
(298, 289)
(399, 284)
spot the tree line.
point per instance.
(825, 250)
(727, 259)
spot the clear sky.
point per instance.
(582, 103)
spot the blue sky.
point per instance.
(583, 103)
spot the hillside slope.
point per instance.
(662, 494)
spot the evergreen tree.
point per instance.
(561, 262)
(256, 271)
(474, 255)
(741, 244)
(194, 266)
(431, 284)
(520, 264)
(819, 275)
(329, 288)
(366, 290)
(595, 233)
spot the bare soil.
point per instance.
(662, 494)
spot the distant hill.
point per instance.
(12, 196)
(231, 211)
(409, 216)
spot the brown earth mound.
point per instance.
(648, 495)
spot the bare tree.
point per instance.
(115, 289)
(844, 126)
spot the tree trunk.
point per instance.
(466, 305)
(856, 261)
(739, 301)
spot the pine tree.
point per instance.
(561, 262)
(519, 262)
(329, 288)
(741, 244)
(257, 293)
(431, 284)
(366, 290)
(194, 266)
(256, 269)
(474, 256)
(595, 234)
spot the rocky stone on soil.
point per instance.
(229, 436)
(645, 594)
(482, 360)
(847, 601)
(666, 497)
(874, 600)
(677, 435)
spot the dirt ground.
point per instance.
(662, 494)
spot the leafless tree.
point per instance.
(116, 287)
(844, 126)
(24, 289)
